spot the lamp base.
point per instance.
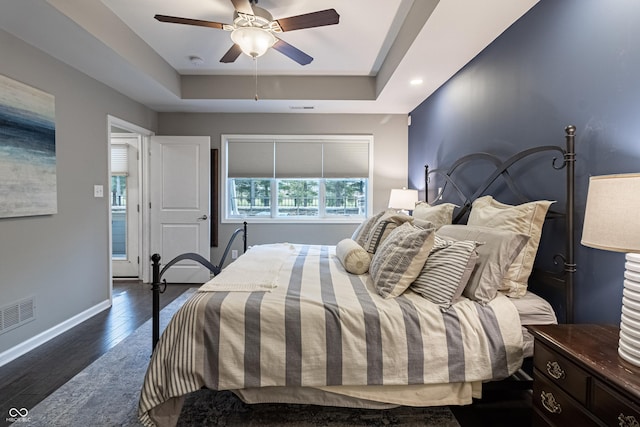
(629, 344)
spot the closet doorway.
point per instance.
(127, 195)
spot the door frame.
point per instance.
(133, 211)
(143, 176)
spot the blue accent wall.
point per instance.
(564, 62)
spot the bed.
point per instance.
(425, 325)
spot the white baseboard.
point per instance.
(43, 337)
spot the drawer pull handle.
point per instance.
(549, 403)
(554, 369)
(627, 421)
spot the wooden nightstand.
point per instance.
(579, 380)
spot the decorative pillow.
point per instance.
(400, 258)
(439, 215)
(447, 270)
(362, 232)
(421, 223)
(353, 257)
(497, 251)
(385, 225)
(527, 218)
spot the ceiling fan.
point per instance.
(254, 30)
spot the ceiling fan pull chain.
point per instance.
(255, 61)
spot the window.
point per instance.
(119, 173)
(249, 197)
(296, 178)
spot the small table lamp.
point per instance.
(612, 223)
(402, 199)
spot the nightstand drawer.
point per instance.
(555, 406)
(586, 358)
(558, 370)
(612, 408)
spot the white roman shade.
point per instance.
(119, 159)
(296, 159)
(345, 160)
(250, 159)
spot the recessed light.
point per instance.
(416, 82)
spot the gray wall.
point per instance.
(565, 62)
(390, 134)
(63, 259)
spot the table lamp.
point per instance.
(402, 199)
(612, 223)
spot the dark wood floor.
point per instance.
(27, 380)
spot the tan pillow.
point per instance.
(527, 218)
(438, 215)
(496, 251)
(353, 257)
(388, 222)
(400, 258)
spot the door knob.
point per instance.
(203, 217)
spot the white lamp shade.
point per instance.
(253, 41)
(612, 214)
(403, 199)
(612, 223)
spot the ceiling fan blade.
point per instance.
(309, 20)
(292, 52)
(243, 6)
(188, 21)
(232, 54)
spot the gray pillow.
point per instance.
(447, 271)
(382, 228)
(400, 258)
(364, 229)
(496, 252)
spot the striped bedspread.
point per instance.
(319, 325)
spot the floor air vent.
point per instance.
(16, 314)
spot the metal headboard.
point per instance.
(502, 169)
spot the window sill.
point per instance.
(258, 220)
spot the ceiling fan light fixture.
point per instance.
(254, 41)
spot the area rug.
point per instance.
(106, 393)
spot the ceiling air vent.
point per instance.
(17, 314)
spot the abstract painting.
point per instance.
(27, 150)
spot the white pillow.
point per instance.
(353, 257)
(528, 219)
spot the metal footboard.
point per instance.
(158, 286)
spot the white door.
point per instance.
(125, 205)
(179, 187)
